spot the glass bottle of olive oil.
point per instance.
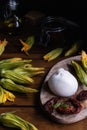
(11, 23)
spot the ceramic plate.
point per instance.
(46, 94)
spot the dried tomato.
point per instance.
(73, 106)
(48, 106)
(82, 95)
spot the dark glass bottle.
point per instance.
(12, 23)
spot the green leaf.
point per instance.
(60, 104)
(56, 105)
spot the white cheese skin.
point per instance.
(63, 83)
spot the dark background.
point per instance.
(75, 10)
(71, 9)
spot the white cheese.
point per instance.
(63, 83)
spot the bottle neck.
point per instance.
(13, 4)
(11, 8)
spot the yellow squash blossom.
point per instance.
(81, 74)
(53, 54)
(25, 47)
(27, 44)
(73, 49)
(3, 45)
(84, 59)
(11, 120)
(6, 95)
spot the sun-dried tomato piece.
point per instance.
(63, 106)
(72, 106)
(82, 95)
(48, 106)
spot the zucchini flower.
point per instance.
(16, 77)
(11, 120)
(8, 84)
(74, 48)
(12, 63)
(2, 46)
(81, 74)
(27, 44)
(6, 95)
(84, 60)
(53, 54)
(29, 71)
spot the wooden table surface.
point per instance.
(27, 106)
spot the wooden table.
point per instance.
(27, 106)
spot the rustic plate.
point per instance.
(46, 94)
